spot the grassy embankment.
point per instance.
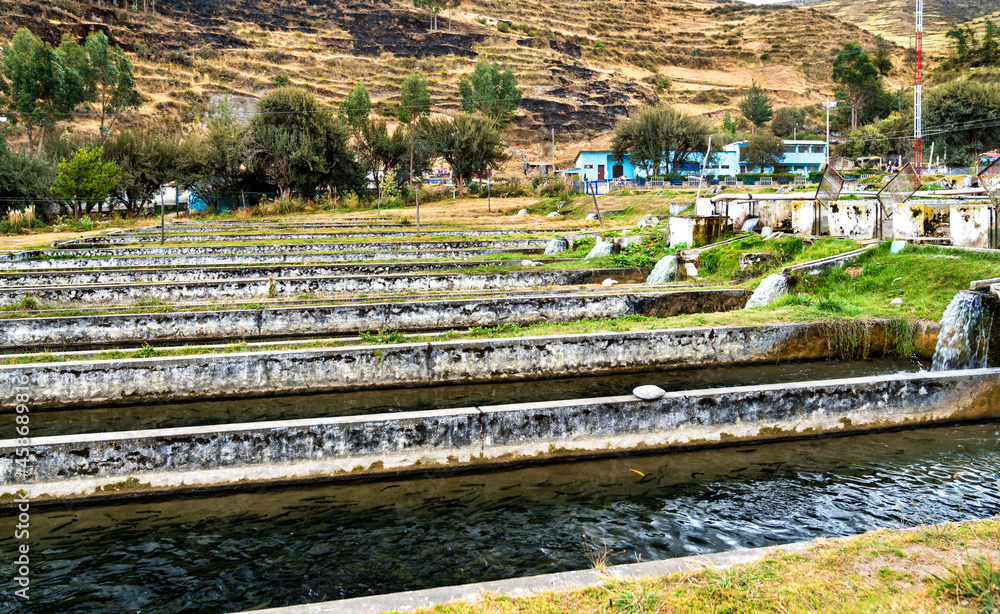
(933, 568)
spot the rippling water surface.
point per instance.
(444, 397)
(292, 546)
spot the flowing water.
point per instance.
(441, 397)
(769, 290)
(664, 272)
(301, 545)
(964, 340)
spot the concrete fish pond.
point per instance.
(242, 288)
(224, 454)
(265, 382)
(35, 261)
(85, 249)
(305, 321)
(107, 275)
(274, 547)
(226, 375)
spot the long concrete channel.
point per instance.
(249, 374)
(246, 455)
(292, 322)
(106, 275)
(284, 248)
(248, 289)
(118, 239)
(43, 261)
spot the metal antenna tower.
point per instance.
(918, 122)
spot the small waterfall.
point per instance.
(769, 290)
(964, 340)
(556, 246)
(750, 224)
(664, 272)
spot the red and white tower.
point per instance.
(918, 128)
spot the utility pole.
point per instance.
(163, 230)
(416, 189)
(918, 127)
(828, 106)
(704, 161)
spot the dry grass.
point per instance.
(880, 571)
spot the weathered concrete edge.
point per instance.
(823, 264)
(280, 322)
(144, 380)
(345, 448)
(533, 585)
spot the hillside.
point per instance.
(581, 64)
(895, 19)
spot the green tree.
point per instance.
(865, 141)
(858, 78)
(470, 144)
(435, 7)
(961, 35)
(414, 99)
(728, 125)
(763, 150)
(756, 106)
(213, 166)
(24, 178)
(656, 135)
(146, 160)
(969, 109)
(109, 77)
(37, 88)
(85, 179)
(882, 56)
(491, 91)
(989, 49)
(787, 120)
(381, 153)
(298, 144)
(354, 109)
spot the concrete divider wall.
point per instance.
(337, 319)
(142, 380)
(241, 234)
(291, 287)
(125, 240)
(282, 450)
(179, 274)
(289, 248)
(49, 264)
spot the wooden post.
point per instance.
(600, 218)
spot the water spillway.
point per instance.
(769, 290)
(968, 332)
(309, 544)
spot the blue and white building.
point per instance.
(801, 158)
